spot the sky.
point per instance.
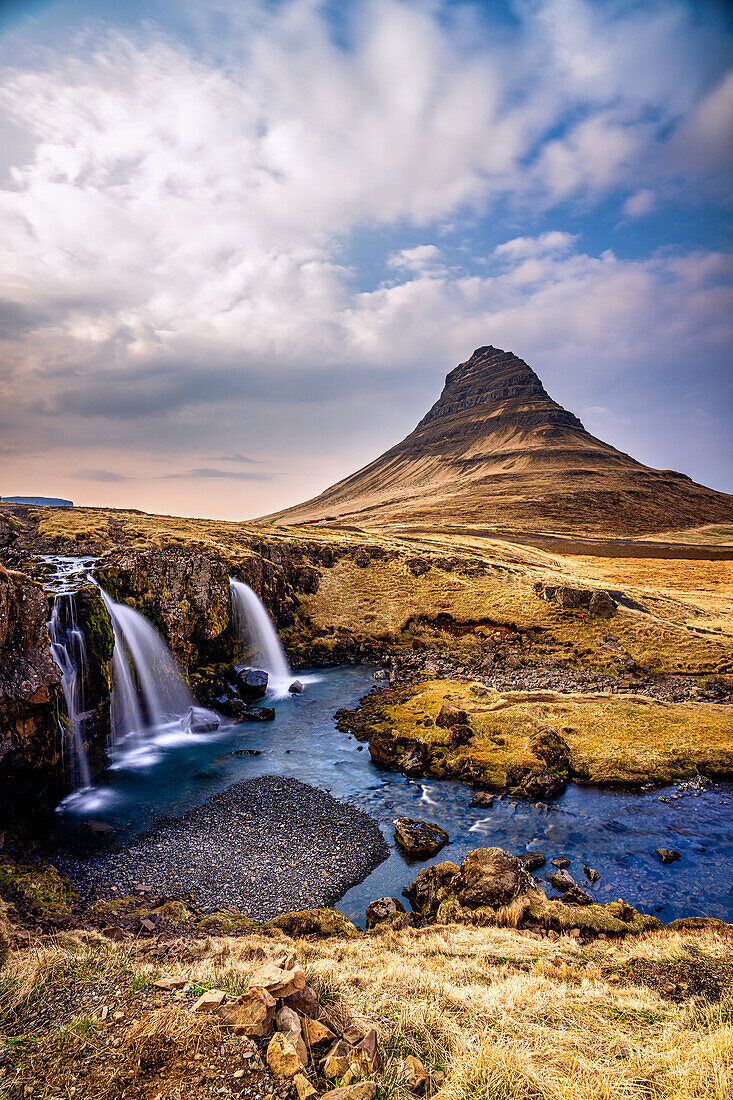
(243, 241)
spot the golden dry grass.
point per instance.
(686, 624)
(613, 738)
(508, 1016)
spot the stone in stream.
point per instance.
(257, 714)
(591, 874)
(560, 861)
(484, 799)
(251, 683)
(561, 880)
(668, 855)
(295, 688)
(202, 721)
(575, 896)
(532, 860)
(419, 839)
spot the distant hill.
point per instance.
(47, 502)
(496, 449)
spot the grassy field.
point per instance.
(622, 740)
(506, 1015)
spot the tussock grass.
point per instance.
(508, 1016)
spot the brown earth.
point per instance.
(495, 448)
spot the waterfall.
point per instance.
(69, 653)
(256, 636)
(149, 694)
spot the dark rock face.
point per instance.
(562, 880)
(29, 679)
(419, 839)
(668, 855)
(483, 799)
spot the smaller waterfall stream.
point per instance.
(150, 698)
(256, 636)
(69, 653)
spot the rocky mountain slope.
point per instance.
(496, 449)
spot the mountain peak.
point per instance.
(496, 449)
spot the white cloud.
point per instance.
(173, 225)
(640, 203)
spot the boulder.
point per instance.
(251, 1014)
(491, 877)
(295, 688)
(562, 880)
(288, 1024)
(560, 861)
(314, 922)
(251, 683)
(668, 855)
(428, 889)
(305, 1003)
(602, 604)
(483, 799)
(451, 715)
(419, 839)
(282, 1057)
(591, 874)
(383, 909)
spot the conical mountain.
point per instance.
(496, 449)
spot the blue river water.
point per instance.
(616, 833)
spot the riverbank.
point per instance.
(262, 847)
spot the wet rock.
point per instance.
(560, 861)
(532, 860)
(591, 874)
(383, 909)
(257, 714)
(484, 799)
(562, 880)
(295, 688)
(668, 855)
(419, 839)
(251, 683)
(202, 721)
(575, 896)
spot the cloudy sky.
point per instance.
(243, 241)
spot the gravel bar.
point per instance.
(265, 846)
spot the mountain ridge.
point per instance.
(496, 448)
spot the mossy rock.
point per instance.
(698, 924)
(174, 911)
(226, 923)
(314, 922)
(40, 884)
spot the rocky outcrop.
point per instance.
(493, 887)
(29, 682)
(32, 771)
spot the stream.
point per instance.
(616, 833)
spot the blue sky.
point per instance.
(244, 242)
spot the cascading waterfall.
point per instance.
(149, 694)
(69, 653)
(256, 636)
